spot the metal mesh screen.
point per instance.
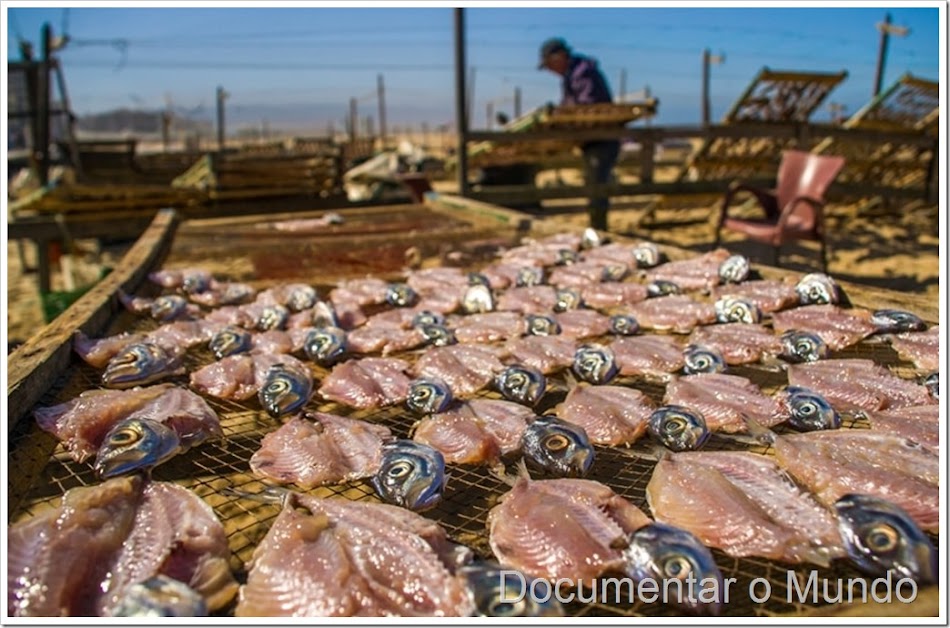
(43, 471)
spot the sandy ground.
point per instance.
(894, 247)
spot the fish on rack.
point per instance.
(367, 382)
(315, 449)
(467, 369)
(611, 415)
(920, 424)
(674, 313)
(243, 375)
(82, 423)
(768, 295)
(142, 363)
(921, 348)
(478, 431)
(83, 557)
(696, 273)
(858, 385)
(487, 327)
(837, 326)
(548, 354)
(651, 355)
(725, 401)
(739, 343)
(745, 505)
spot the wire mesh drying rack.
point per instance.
(41, 470)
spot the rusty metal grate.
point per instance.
(44, 471)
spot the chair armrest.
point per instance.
(789, 209)
(764, 196)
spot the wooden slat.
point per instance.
(38, 362)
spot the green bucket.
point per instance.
(56, 302)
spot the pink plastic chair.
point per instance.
(793, 209)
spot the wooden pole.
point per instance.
(220, 97)
(517, 112)
(42, 138)
(381, 99)
(705, 102)
(489, 114)
(623, 85)
(461, 113)
(354, 120)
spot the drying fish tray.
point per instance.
(460, 231)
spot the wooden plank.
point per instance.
(38, 362)
(449, 203)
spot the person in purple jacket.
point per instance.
(583, 84)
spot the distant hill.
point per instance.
(136, 122)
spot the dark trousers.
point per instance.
(599, 160)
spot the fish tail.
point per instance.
(758, 431)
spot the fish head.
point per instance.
(890, 321)
(195, 281)
(736, 310)
(428, 396)
(734, 269)
(285, 390)
(167, 307)
(662, 288)
(614, 272)
(401, 295)
(881, 537)
(594, 364)
(478, 279)
(703, 359)
(557, 447)
(137, 364)
(234, 293)
(135, 444)
(803, 346)
(591, 239)
(664, 553)
(497, 592)
(273, 317)
(478, 299)
(324, 315)
(566, 257)
(817, 288)
(647, 255)
(229, 341)
(932, 382)
(809, 411)
(529, 276)
(301, 298)
(427, 317)
(160, 596)
(541, 325)
(411, 475)
(566, 299)
(521, 384)
(678, 428)
(325, 345)
(437, 335)
(624, 325)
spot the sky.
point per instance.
(300, 65)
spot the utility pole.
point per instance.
(381, 99)
(469, 94)
(354, 120)
(489, 114)
(41, 145)
(220, 96)
(517, 112)
(887, 29)
(623, 85)
(707, 60)
(461, 112)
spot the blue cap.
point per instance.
(551, 46)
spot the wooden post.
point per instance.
(381, 99)
(705, 103)
(461, 113)
(623, 85)
(881, 54)
(41, 146)
(220, 96)
(489, 114)
(517, 112)
(354, 120)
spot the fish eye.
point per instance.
(399, 470)
(125, 436)
(807, 408)
(278, 386)
(506, 609)
(674, 425)
(881, 538)
(422, 392)
(677, 567)
(556, 442)
(517, 379)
